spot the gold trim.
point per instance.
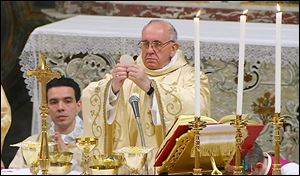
(108, 142)
(227, 149)
(174, 156)
(95, 112)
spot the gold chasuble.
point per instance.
(174, 92)
(5, 117)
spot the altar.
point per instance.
(87, 47)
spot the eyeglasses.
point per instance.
(155, 45)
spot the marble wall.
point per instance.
(210, 10)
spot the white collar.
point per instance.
(69, 138)
(171, 63)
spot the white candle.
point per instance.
(197, 65)
(278, 61)
(239, 102)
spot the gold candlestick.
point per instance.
(44, 74)
(239, 124)
(197, 125)
(277, 122)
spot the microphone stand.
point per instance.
(142, 140)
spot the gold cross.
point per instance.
(44, 74)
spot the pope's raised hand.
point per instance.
(139, 77)
(119, 74)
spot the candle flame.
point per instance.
(198, 13)
(278, 7)
(245, 11)
(42, 61)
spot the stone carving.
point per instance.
(89, 68)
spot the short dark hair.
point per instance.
(252, 157)
(68, 82)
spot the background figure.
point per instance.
(258, 162)
(160, 77)
(5, 119)
(64, 104)
(289, 141)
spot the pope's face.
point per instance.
(157, 58)
(63, 107)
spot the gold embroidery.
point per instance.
(117, 133)
(175, 104)
(149, 128)
(95, 102)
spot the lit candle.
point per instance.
(197, 64)
(278, 61)
(239, 103)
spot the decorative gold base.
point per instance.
(197, 171)
(276, 169)
(277, 123)
(34, 168)
(239, 124)
(238, 170)
(44, 165)
(198, 125)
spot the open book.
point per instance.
(217, 139)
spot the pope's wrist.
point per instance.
(151, 89)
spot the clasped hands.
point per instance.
(121, 72)
(61, 146)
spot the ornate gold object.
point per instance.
(34, 167)
(60, 168)
(134, 158)
(60, 157)
(215, 171)
(112, 161)
(239, 125)
(86, 145)
(60, 163)
(98, 170)
(106, 164)
(277, 122)
(44, 74)
(198, 125)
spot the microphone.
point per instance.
(134, 101)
